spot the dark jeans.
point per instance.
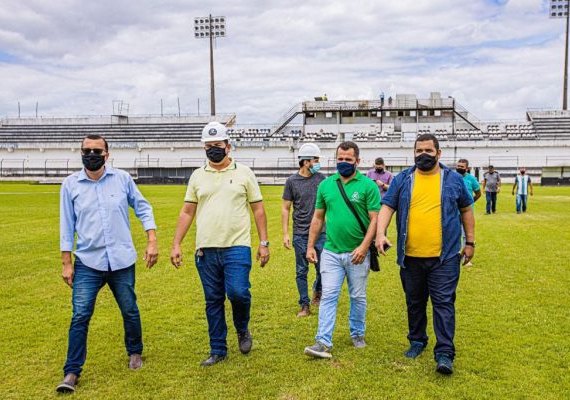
(521, 202)
(225, 271)
(302, 266)
(425, 278)
(86, 284)
(491, 198)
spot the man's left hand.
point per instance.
(151, 253)
(359, 254)
(263, 255)
(467, 254)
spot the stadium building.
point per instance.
(168, 148)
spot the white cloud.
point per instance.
(75, 57)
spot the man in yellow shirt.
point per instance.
(431, 202)
(218, 196)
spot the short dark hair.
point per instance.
(490, 166)
(379, 160)
(96, 137)
(463, 161)
(347, 146)
(424, 137)
(302, 163)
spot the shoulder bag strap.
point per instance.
(351, 207)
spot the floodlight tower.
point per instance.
(559, 9)
(210, 28)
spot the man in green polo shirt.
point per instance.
(345, 252)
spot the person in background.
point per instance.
(522, 186)
(300, 192)
(380, 175)
(491, 186)
(473, 187)
(94, 214)
(219, 195)
(431, 203)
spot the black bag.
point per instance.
(374, 262)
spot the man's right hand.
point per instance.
(312, 255)
(176, 256)
(287, 241)
(67, 274)
(381, 242)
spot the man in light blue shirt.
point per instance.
(94, 214)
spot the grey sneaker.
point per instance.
(245, 342)
(358, 342)
(318, 350)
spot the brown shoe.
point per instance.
(68, 384)
(305, 311)
(135, 361)
(316, 298)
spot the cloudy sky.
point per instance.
(496, 57)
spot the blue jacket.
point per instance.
(454, 196)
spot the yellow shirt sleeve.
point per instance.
(252, 188)
(191, 196)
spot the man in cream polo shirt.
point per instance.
(218, 196)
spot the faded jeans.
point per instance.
(334, 268)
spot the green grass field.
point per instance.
(513, 316)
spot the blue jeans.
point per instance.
(302, 266)
(86, 285)
(491, 198)
(521, 202)
(334, 268)
(424, 278)
(225, 271)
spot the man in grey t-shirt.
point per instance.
(492, 186)
(301, 192)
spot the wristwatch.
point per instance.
(472, 244)
(264, 243)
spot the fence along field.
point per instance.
(513, 316)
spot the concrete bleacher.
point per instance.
(550, 125)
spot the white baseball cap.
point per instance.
(213, 132)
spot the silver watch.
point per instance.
(264, 243)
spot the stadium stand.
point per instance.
(169, 147)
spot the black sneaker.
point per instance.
(245, 342)
(213, 359)
(444, 364)
(416, 348)
(318, 350)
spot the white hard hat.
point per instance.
(308, 151)
(214, 132)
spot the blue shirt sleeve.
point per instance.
(465, 198)
(390, 199)
(474, 184)
(142, 208)
(66, 218)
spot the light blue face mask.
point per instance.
(315, 168)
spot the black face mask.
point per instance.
(92, 161)
(461, 171)
(379, 170)
(216, 154)
(523, 172)
(425, 162)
